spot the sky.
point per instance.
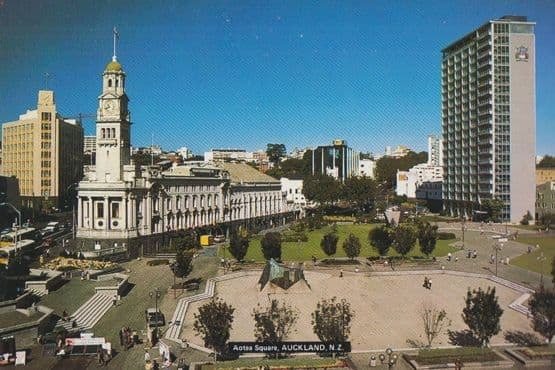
(241, 74)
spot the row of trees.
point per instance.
(359, 192)
(331, 322)
(403, 238)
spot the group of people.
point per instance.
(450, 257)
(127, 337)
(472, 254)
(427, 283)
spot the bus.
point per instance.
(25, 246)
(24, 233)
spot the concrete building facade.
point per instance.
(366, 167)
(489, 118)
(45, 152)
(545, 199)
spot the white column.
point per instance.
(91, 217)
(79, 213)
(106, 213)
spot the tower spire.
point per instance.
(116, 37)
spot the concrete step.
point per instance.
(95, 311)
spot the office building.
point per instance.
(336, 160)
(545, 199)
(89, 144)
(544, 175)
(488, 118)
(45, 152)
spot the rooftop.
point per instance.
(241, 172)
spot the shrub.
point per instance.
(445, 236)
(294, 237)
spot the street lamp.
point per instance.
(463, 227)
(156, 295)
(497, 248)
(19, 218)
(390, 356)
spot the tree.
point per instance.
(386, 167)
(271, 246)
(380, 239)
(404, 239)
(321, 188)
(331, 320)
(482, 314)
(360, 191)
(547, 219)
(329, 243)
(183, 264)
(275, 152)
(213, 323)
(542, 308)
(434, 320)
(352, 246)
(238, 246)
(273, 324)
(493, 207)
(186, 239)
(427, 237)
(547, 162)
(526, 218)
(18, 265)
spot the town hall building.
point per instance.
(123, 205)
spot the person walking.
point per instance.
(429, 283)
(147, 356)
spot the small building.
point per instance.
(544, 175)
(366, 167)
(293, 190)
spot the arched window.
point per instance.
(103, 133)
(110, 82)
(117, 82)
(113, 133)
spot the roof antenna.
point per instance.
(116, 37)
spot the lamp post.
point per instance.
(19, 220)
(463, 227)
(497, 248)
(156, 295)
(390, 356)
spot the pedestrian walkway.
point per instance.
(89, 313)
(176, 325)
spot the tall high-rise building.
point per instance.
(489, 118)
(45, 152)
(435, 151)
(336, 160)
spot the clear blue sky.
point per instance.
(206, 74)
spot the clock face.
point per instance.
(109, 107)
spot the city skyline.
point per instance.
(242, 75)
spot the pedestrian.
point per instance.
(491, 258)
(469, 254)
(449, 256)
(155, 365)
(99, 357)
(474, 254)
(456, 258)
(115, 299)
(529, 249)
(341, 273)
(121, 337)
(65, 316)
(147, 356)
(425, 282)
(429, 283)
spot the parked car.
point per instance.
(154, 318)
(219, 238)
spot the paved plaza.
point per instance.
(386, 307)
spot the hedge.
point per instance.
(158, 262)
(445, 236)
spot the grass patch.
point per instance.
(12, 318)
(296, 362)
(539, 352)
(69, 296)
(529, 261)
(303, 251)
(450, 355)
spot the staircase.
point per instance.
(89, 313)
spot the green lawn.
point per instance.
(303, 251)
(450, 355)
(533, 261)
(287, 363)
(70, 296)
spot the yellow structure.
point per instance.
(44, 151)
(544, 175)
(206, 240)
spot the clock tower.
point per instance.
(112, 125)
